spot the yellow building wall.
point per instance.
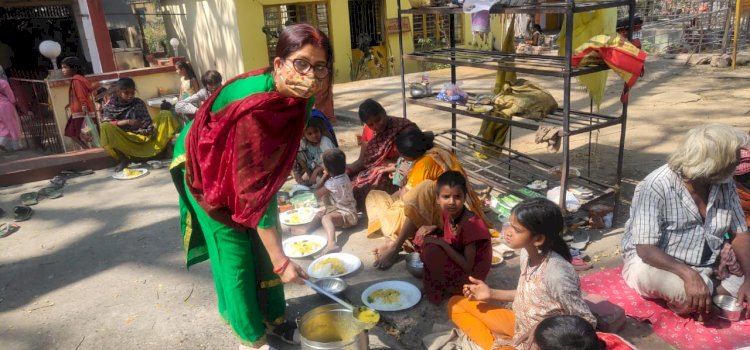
(253, 42)
(209, 35)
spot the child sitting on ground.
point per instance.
(337, 188)
(574, 333)
(548, 285)
(460, 250)
(308, 169)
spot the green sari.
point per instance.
(250, 295)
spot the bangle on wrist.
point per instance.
(282, 267)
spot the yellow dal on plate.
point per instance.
(386, 295)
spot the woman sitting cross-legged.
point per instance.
(398, 216)
(462, 248)
(548, 285)
(127, 130)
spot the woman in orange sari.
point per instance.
(398, 216)
(79, 96)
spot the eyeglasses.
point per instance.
(320, 71)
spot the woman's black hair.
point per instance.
(188, 68)
(567, 332)
(334, 160)
(414, 143)
(452, 179)
(124, 83)
(211, 77)
(74, 63)
(165, 106)
(370, 109)
(543, 217)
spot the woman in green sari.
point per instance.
(229, 163)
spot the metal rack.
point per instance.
(505, 169)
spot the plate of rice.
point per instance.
(334, 265)
(303, 246)
(391, 296)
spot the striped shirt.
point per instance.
(664, 214)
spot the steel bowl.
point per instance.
(414, 264)
(727, 308)
(418, 91)
(332, 285)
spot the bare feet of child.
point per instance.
(330, 248)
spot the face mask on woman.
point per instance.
(302, 85)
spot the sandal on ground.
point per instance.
(22, 213)
(286, 332)
(8, 229)
(51, 192)
(58, 181)
(30, 198)
(580, 265)
(73, 173)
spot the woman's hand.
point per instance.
(293, 273)
(477, 290)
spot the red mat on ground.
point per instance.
(680, 332)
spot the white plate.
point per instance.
(288, 244)
(497, 254)
(409, 296)
(305, 216)
(121, 175)
(351, 264)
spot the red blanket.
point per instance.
(683, 333)
(238, 157)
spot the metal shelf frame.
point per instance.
(559, 7)
(520, 63)
(502, 169)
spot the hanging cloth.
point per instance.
(492, 131)
(585, 26)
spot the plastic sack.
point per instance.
(452, 93)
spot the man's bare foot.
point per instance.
(386, 255)
(330, 248)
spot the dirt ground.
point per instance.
(102, 267)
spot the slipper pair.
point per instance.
(8, 229)
(32, 198)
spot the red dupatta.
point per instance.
(238, 157)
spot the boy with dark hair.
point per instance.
(570, 332)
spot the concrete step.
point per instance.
(35, 168)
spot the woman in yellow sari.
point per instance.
(398, 216)
(127, 130)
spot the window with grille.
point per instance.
(434, 30)
(365, 19)
(277, 17)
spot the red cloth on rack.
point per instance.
(620, 55)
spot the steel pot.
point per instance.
(331, 327)
(418, 90)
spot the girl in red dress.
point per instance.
(462, 249)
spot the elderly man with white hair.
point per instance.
(681, 216)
